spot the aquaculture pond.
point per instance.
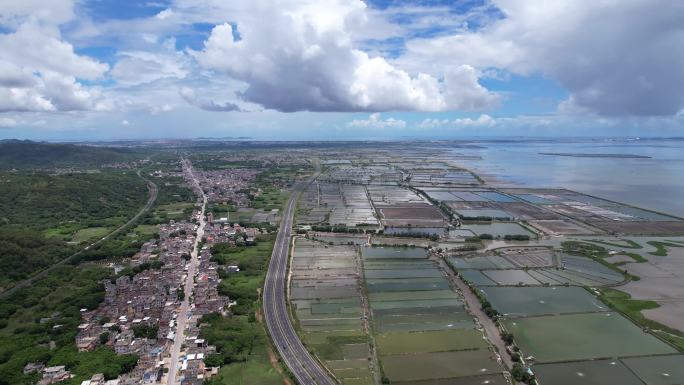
(422, 331)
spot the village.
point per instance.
(142, 304)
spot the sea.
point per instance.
(653, 181)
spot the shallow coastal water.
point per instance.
(655, 183)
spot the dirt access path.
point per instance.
(474, 307)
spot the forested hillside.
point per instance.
(25, 154)
(44, 218)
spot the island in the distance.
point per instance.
(576, 155)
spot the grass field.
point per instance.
(257, 370)
(583, 336)
(269, 199)
(179, 210)
(90, 234)
(148, 230)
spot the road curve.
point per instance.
(305, 368)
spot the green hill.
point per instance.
(25, 154)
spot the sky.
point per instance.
(340, 69)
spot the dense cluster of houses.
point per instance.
(205, 300)
(140, 308)
(141, 305)
(229, 185)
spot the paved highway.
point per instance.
(301, 363)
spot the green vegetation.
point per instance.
(487, 307)
(146, 230)
(132, 271)
(175, 200)
(333, 347)
(630, 244)
(123, 245)
(583, 248)
(636, 257)
(429, 341)
(22, 252)
(632, 308)
(269, 199)
(62, 204)
(661, 247)
(40, 213)
(17, 154)
(243, 286)
(256, 371)
(146, 331)
(90, 234)
(520, 374)
(479, 218)
(235, 337)
(47, 314)
(281, 176)
(217, 160)
(242, 345)
(516, 237)
(242, 351)
(598, 254)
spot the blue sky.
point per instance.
(340, 69)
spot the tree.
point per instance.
(146, 331)
(507, 338)
(213, 360)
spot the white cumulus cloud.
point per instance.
(616, 58)
(304, 58)
(138, 67)
(482, 121)
(39, 71)
(375, 121)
